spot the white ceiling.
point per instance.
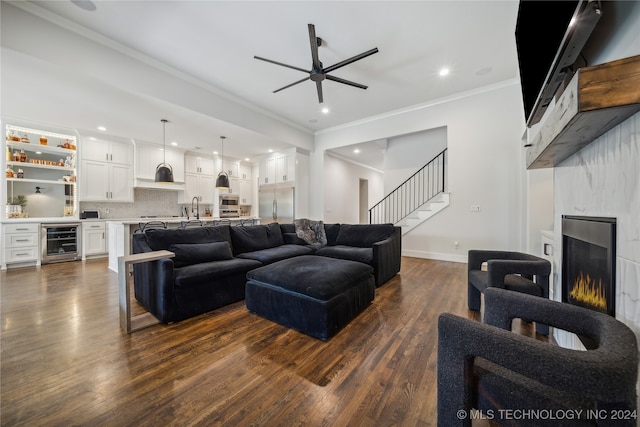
(215, 41)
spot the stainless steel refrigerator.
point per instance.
(276, 203)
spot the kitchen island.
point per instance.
(120, 231)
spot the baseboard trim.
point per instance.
(436, 256)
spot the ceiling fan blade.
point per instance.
(280, 63)
(350, 60)
(319, 87)
(313, 40)
(292, 84)
(347, 82)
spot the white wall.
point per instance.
(406, 154)
(342, 198)
(484, 129)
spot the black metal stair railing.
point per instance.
(418, 189)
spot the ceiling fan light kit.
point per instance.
(318, 73)
(164, 171)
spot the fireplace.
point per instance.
(588, 262)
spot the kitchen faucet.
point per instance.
(197, 206)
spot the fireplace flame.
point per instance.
(585, 290)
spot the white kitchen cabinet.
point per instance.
(244, 171)
(21, 243)
(106, 182)
(106, 150)
(278, 168)
(246, 192)
(200, 186)
(106, 170)
(149, 156)
(267, 168)
(231, 168)
(94, 238)
(199, 164)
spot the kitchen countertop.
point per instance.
(171, 219)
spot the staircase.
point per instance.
(417, 199)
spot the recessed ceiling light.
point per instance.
(444, 72)
(92, 138)
(246, 159)
(215, 152)
(102, 128)
(325, 110)
(356, 151)
(38, 152)
(175, 144)
(270, 150)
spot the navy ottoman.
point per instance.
(312, 294)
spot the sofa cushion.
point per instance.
(292, 239)
(288, 227)
(364, 255)
(210, 272)
(363, 235)
(331, 230)
(194, 253)
(162, 239)
(271, 255)
(255, 237)
(312, 276)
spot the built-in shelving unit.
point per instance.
(41, 167)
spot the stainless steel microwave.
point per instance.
(229, 202)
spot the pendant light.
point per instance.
(222, 182)
(164, 171)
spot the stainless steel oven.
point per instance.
(61, 242)
(229, 206)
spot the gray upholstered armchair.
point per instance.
(485, 366)
(514, 271)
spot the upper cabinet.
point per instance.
(278, 168)
(149, 156)
(199, 164)
(106, 170)
(107, 151)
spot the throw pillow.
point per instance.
(310, 231)
(196, 253)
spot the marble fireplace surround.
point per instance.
(603, 180)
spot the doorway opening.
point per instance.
(364, 201)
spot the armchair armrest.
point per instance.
(501, 307)
(499, 268)
(387, 256)
(611, 372)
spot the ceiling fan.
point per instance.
(317, 72)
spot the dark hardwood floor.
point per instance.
(66, 361)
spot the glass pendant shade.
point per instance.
(164, 171)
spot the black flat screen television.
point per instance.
(549, 38)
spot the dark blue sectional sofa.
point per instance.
(210, 266)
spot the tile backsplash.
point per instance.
(146, 203)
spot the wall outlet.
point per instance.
(106, 211)
(475, 208)
(456, 244)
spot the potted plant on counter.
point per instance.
(15, 206)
